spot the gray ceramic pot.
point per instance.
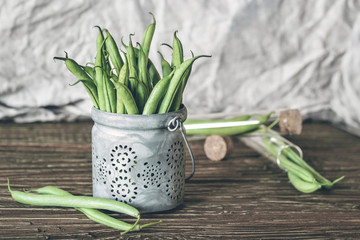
(137, 160)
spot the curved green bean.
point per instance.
(141, 95)
(114, 52)
(89, 70)
(148, 35)
(127, 98)
(175, 84)
(153, 73)
(142, 69)
(92, 214)
(73, 201)
(91, 89)
(157, 94)
(99, 72)
(177, 56)
(165, 66)
(74, 68)
(131, 58)
(302, 185)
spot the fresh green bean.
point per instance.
(175, 84)
(153, 73)
(232, 130)
(302, 185)
(142, 69)
(91, 89)
(124, 73)
(179, 94)
(92, 214)
(89, 70)
(127, 98)
(165, 66)
(106, 91)
(203, 121)
(157, 94)
(110, 93)
(285, 163)
(289, 153)
(73, 201)
(99, 72)
(177, 55)
(114, 53)
(74, 68)
(148, 35)
(133, 82)
(141, 95)
(83, 77)
(124, 79)
(131, 58)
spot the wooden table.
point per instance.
(243, 197)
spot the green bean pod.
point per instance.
(165, 66)
(89, 70)
(141, 95)
(287, 164)
(73, 201)
(153, 73)
(175, 84)
(234, 130)
(301, 185)
(148, 35)
(179, 94)
(142, 69)
(131, 58)
(299, 161)
(92, 214)
(91, 89)
(99, 72)
(177, 55)
(124, 79)
(203, 121)
(83, 77)
(110, 93)
(157, 94)
(75, 68)
(114, 52)
(127, 98)
(124, 73)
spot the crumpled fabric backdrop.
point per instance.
(266, 55)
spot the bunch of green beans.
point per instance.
(126, 81)
(301, 175)
(53, 196)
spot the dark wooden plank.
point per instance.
(243, 197)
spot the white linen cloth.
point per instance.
(266, 55)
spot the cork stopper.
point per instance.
(218, 147)
(290, 122)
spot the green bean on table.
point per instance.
(53, 196)
(244, 126)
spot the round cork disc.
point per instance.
(290, 122)
(217, 147)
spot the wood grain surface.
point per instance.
(243, 197)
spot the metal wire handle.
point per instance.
(173, 125)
